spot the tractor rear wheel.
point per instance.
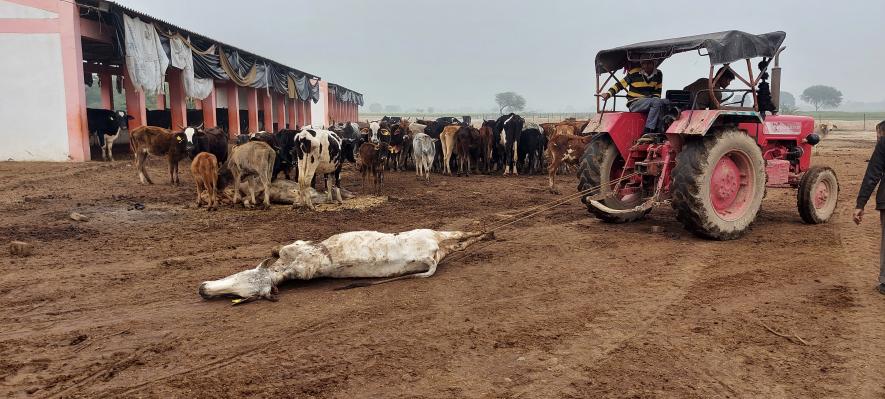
(818, 193)
(600, 165)
(718, 184)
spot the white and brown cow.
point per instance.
(319, 153)
(356, 254)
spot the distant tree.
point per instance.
(511, 100)
(822, 97)
(392, 108)
(430, 110)
(375, 107)
(787, 103)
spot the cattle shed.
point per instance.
(57, 50)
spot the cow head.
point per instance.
(180, 143)
(249, 284)
(120, 119)
(189, 132)
(374, 128)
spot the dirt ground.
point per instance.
(560, 306)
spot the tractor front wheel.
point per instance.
(818, 193)
(718, 184)
(600, 166)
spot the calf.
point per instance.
(447, 139)
(204, 169)
(285, 140)
(880, 129)
(284, 192)
(486, 144)
(467, 144)
(106, 125)
(373, 158)
(423, 151)
(254, 157)
(564, 149)
(319, 153)
(356, 254)
(157, 141)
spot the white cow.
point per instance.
(423, 152)
(357, 254)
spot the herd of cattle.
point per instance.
(251, 165)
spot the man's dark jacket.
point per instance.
(871, 178)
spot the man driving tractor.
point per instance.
(643, 85)
(700, 89)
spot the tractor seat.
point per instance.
(680, 98)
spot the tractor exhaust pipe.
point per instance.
(776, 80)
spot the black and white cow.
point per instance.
(319, 153)
(532, 144)
(106, 125)
(511, 131)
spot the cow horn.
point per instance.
(263, 264)
(201, 126)
(182, 127)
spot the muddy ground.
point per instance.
(560, 306)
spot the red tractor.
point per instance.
(712, 165)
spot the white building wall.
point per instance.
(33, 125)
(317, 111)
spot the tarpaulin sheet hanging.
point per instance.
(146, 61)
(181, 58)
(238, 70)
(345, 95)
(301, 88)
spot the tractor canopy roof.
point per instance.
(722, 47)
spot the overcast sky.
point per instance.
(459, 53)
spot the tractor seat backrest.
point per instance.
(679, 97)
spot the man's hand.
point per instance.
(858, 215)
(606, 96)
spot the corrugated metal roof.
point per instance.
(171, 26)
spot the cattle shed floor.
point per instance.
(560, 306)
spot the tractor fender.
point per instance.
(702, 122)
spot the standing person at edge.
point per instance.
(643, 85)
(871, 179)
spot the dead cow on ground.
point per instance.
(157, 141)
(356, 254)
(204, 169)
(253, 158)
(564, 149)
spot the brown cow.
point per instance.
(372, 159)
(204, 169)
(158, 141)
(467, 147)
(548, 129)
(564, 149)
(447, 139)
(487, 144)
(254, 157)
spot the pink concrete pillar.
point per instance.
(135, 104)
(324, 96)
(252, 106)
(293, 112)
(267, 101)
(233, 109)
(176, 98)
(209, 106)
(72, 73)
(161, 100)
(198, 104)
(106, 89)
(280, 111)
